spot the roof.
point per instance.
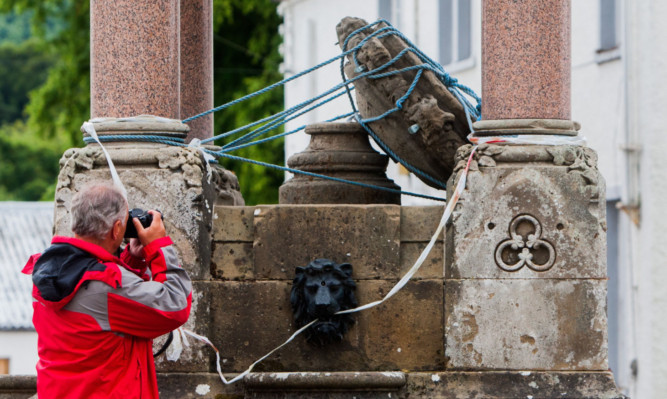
(25, 229)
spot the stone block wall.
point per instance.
(255, 252)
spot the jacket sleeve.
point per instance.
(152, 308)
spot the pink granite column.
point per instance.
(134, 47)
(526, 59)
(197, 65)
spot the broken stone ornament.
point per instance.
(430, 126)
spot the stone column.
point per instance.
(526, 59)
(197, 65)
(134, 58)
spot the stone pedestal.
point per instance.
(172, 179)
(340, 150)
(525, 281)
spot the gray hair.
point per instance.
(96, 208)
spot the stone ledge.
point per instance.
(434, 385)
(364, 381)
(511, 384)
(17, 386)
(197, 386)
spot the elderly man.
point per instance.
(96, 314)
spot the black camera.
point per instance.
(144, 217)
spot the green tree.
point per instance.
(29, 165)
(23, 67)
(246, 55)
(58, 107)
(246, 59)
(14, 28)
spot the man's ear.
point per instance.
(116, 229)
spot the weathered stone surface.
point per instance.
(364, 381)
(290, 236)
(514, 191)
(315, 385)
(172, 180)
(340, 150)
(197, 386)
(418, 223)
(532, 324)
(233, 223)
(432, 268)
(17, 386)
(196, 357)
(503, 384)
(250, 319)
(233, 261)
(439, 115)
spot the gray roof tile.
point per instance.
(25, 229)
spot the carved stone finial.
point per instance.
(339, 150)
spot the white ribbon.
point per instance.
(196, 143)
(541, 139)
(176, 348)
(90, 129)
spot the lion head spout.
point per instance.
(319, 291)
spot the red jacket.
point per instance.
(96, 316)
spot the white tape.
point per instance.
(90, 129)
(176, 348)
(540, 139)
(196, 143)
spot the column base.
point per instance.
(560, 127)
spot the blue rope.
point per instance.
(179, 143)
(282, 134)
(303, 172)
(279, 119)
(281, 122)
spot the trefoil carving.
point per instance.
(525, 247)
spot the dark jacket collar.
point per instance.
(67, 263)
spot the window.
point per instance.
(455, 33)
(609, 32)
(608, 39)
(389, 10)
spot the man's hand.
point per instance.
(136, 249)
(153, 232)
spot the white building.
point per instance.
(619, 97)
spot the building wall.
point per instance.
(20, 347)
(647, 63)
(619, 98)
